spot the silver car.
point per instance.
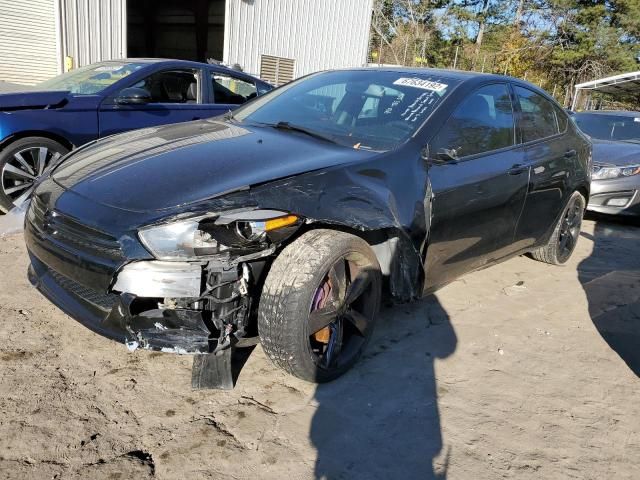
(615, 180)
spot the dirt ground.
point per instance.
(523, 371)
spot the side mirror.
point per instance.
(441, 157)
(445, 155)
(133, 96)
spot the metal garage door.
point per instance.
(28, 40)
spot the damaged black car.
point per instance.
(289, 219)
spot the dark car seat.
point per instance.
(174, 89)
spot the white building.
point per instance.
(275, 39)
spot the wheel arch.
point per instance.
(36, 133)
(400, 265)
(584, 191)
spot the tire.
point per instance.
(304, 290)
(565, 234)
(21, 163)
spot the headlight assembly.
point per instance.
(205, 236)
(607, 173)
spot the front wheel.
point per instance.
(21, 163)
(565, 235)
(319, 304)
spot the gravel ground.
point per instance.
(520, 371)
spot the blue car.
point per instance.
(40, 125)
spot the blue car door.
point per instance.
(176, 95)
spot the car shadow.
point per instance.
(610, 277)
(381, 420)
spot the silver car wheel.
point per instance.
(22, 170)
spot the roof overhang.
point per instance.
(623, 85)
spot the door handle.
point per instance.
(570, 154)
(517, 169)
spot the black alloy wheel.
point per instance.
(319, 304)
(342, 313)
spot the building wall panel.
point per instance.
(317, 34)
(93, 31)
(29, 51)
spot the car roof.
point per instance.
(173, 61)
(619, 113)
(461, 75)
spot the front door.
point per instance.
(479, 184)
(176, 96)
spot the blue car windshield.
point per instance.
(91, 79)
(609, 127)
(367, 109)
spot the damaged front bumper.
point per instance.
(131, 319)
(213, 321)
(115, 288)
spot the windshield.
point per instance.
(90, 79)
(609, 127)
(365, 109)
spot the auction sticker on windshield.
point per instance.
(421, 83)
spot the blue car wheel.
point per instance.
(21, 163)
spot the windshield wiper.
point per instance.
(228, 115)
(298, 128)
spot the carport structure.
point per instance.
(625, 86)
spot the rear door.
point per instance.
(177, 96)
(228, 91)
(479, 183)
(551, 153)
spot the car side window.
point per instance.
(538, 115)
(563, 119)
(264, 88)
(231, 90)
(482, 123)
(172, 86)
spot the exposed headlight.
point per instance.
(205, 236)
(607, 173)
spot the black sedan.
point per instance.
(615, 182)
(291, 217)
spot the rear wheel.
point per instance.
(319, 304)
(565, 235)
(21, 163)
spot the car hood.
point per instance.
(615, 153)
(165, 167)
(28, 99)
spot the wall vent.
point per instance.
(276, 70)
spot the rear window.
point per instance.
(538, 118)
(609, 127)
(365, 109)
(231, 90)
